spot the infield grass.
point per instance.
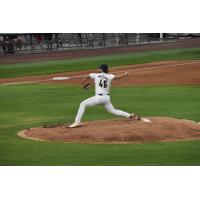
(49, 67)
(24, 106)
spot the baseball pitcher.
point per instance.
(102, 82)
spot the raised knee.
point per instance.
(83, 104)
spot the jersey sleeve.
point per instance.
(92, 75)
(112, 76)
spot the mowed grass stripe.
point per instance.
(49, 67)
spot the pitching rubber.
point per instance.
(146, 120)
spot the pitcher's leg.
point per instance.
(109, 107)
(92, 101)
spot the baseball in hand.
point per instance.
(126, 73)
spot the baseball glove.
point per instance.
(86, 86)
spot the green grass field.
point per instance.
(49, 67)
(23, 106)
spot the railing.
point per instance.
(99, 41)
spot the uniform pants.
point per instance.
(103, 100)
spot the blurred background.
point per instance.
(20, 43)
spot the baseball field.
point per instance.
(162, 84)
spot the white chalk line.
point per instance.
(131, 70)
(25, 82)
(146, 68)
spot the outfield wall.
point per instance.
(93, 52)
(30, 43)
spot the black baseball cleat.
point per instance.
(134, 117)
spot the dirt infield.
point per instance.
(158, 73)
(160, 129)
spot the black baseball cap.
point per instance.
(104, 68)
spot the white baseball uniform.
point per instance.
(102, 97)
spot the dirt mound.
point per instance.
(119, 131)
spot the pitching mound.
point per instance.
(119, 131)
